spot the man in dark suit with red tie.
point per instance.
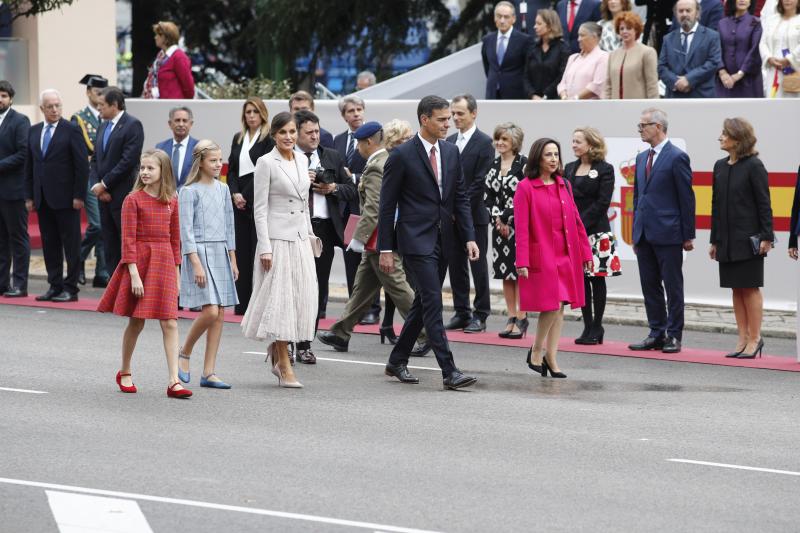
(424, 184)
(573, 13)
(477, 155)
(504, 53)
(114, 167)
(56, 171)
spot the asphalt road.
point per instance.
(515, 453)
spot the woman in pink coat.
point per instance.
(552, 251)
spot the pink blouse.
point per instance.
(585, 71)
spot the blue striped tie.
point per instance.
(107, 134)
(48, 134)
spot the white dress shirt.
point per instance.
(182, 145)
(3, 116)
(320, 201)
(506, 36)
(111, 124)
(657, 148)
(246, 165)
(438, 152)
(690, 37)
(44, 129)
(463, 138)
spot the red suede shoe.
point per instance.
(123, 388)
(182, 393)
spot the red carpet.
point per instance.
(612, 348)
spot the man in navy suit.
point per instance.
(423, 183)
(663, 227)
(56, 171)
(477, 155)
(690, 56)
(573, 13)
(711, 12)
(352, 109)
(14, 241)
(114, 166)
(180, 147)
(504, 52)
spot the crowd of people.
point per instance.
(418, 205)
(603, 49)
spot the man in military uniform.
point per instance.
(369, 277)
(88, 119)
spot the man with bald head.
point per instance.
(56, 177)
(690, 57)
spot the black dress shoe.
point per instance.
(458, 322)
(99, 282)
(65, 297)
(369, 319)
(421, 349)
(400, 372)
(457, 380)
(649, 343)
(82, 276)
(331, 339)
(306, 357)
(476, 325)
(671, 345)
(15, 293)
(48, 296)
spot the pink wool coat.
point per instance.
(535, 251)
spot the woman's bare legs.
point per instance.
(129, 338)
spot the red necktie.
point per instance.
(571, 17)
(649, 166)
(433, 165)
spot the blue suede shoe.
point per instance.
(183, 376)
(204, 382)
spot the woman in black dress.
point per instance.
(741, 230)
(248, 145)
(501, 184)
(592, 180)
(547, 59)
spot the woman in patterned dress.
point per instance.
(500, 186)
(283, 306)
(145, 283)
(208, 271)
(592, 180)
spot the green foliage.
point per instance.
(29, 8)
(265, 88)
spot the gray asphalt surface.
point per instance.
(515, 453)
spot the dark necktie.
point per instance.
(176, 159)
(310, 194)
(649, 166)
(48, 134)
(685, 41)
(351, 148)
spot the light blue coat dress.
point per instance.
(206, 220)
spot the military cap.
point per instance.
(367, 130)
(94, 81)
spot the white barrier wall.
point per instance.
(693, 124)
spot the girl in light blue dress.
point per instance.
(208, 270)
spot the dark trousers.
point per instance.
(246, 241)
(660, 270)
(460, 266)
(15, 247)
(428, 272)
(111, 223)
(61, 237)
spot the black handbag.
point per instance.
(755, 244)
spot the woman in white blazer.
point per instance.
(283, 305)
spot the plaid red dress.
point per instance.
(151, 239)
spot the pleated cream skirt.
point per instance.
(283, 305)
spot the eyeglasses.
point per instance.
(643, 125)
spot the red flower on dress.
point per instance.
(605, 244)
(615, 264)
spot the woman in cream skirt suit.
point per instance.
(283, 305)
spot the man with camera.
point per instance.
(330, 186)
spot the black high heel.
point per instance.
(523, 329)
(732, 355)
(387, 332)
(505, 333)
(756, 352)
(546, 368)
(535, 368)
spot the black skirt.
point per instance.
(745, 274)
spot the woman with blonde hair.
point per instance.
(208, 270)
(547, 58)
(252, 142)
(145, 283)
(505, 173)
(592, 181)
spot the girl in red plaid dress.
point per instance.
(145, 283)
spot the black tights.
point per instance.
(388, 314)
(595, 290)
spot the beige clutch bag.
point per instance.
(316, 245)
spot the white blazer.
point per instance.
(281, 200)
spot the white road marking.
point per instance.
(78, 513)
(216, 506)
(736, 467)
(373, 363)
(23, 390)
